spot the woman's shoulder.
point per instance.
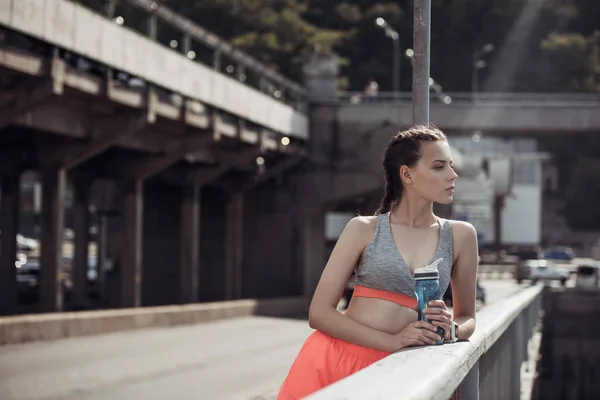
(462, 231)
(363, 225)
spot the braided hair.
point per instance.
(403, 149)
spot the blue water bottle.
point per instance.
(427, 288)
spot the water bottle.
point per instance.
(427, 288)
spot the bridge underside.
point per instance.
(196, 202)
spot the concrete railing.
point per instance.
(485, 367)
(53, 326)
(493, 99)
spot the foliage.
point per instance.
(540, 46)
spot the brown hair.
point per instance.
(403, 149)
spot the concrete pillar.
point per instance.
(313, 248)
(234, 246)
(213, 236)
(320, 75)
(131, 251)
(10, 191)
(81, 228)
(52, 225)
(190, 244)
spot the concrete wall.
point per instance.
(569, 368)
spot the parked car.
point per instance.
(559, 253)
(588, 276)
(546, 270)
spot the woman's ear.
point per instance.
(405, 175)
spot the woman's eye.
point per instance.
(439, 167)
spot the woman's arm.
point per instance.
(464, 279)
(323, 314)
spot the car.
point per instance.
(546, 270)
(523, 269)
(559, 253)
(588, 276)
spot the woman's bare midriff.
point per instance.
(380, 314)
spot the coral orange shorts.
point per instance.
(322, 361)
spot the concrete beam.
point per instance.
(202, 176)
(105, 135)
(272, 172)
(189, 144)
(9, 227)
(25, 63)
(27, 98)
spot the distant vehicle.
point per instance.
(530, 254)
(559, 253)
(524, 267)
(588, 276)
(546, 270)
(27, 276)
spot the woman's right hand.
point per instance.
(418, 333)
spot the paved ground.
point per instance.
(236, 359)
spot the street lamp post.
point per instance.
(421, 60)
(477, 65)
(392, 34)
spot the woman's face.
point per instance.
(433, 176)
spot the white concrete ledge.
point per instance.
(38, 327)
(432, 372)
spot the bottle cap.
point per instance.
(429, 271)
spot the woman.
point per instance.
(384, 250)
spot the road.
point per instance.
(234, 359)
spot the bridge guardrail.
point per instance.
(487, 366)
(492, 99)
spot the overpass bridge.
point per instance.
(134, 116)
(499, 114)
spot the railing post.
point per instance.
(469, 388)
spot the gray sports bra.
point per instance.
(382, 266)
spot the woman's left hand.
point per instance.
(439, 315)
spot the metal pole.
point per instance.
(474, 76)
(396, 44)
(421, 40)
